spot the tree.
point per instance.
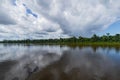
(108, 34)
(117, 37)
(95, 38)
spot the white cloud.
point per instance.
(56, 18)
(5, 18)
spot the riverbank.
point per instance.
(66, 43)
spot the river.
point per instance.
(55, 62)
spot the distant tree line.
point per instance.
(94, 38)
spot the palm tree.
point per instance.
(95, 37)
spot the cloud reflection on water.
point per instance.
(60, 62)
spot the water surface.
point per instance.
(45, 62)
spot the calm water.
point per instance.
(35, 62)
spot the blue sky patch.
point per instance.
(14, 2)
(29, 11)
(112, 29)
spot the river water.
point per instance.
(55, 62)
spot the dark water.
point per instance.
(35, 62)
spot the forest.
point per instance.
(94, 40)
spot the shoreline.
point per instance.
(67, 43)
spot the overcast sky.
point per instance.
(42, 19)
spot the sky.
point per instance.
(112, 29)
(44, 19)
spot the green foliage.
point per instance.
(95, 38)
(105, 39)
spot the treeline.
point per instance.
(95, 38)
